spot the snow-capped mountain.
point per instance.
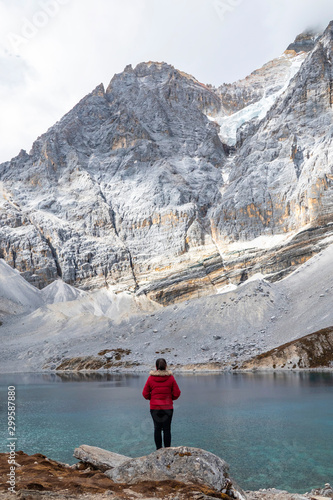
(172, 188)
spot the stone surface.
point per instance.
(296, 189)
(183, 464)
(99, 458)
(261, 83)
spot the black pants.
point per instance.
(162, 422)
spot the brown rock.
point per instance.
(312, 351)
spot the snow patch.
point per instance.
(226, 289)
(264, 242)
(230, 124)
(255, 277)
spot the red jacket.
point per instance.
(161, 389)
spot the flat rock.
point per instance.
(183, 464)
(102, 459)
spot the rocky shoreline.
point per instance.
(180, 473)
(200, 369)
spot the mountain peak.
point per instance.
(304, 42)
(327, 36)
(146, 68)
(99, 90)
(154, 69)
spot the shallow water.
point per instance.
(274, 430)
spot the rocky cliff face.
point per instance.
(281, 178)
(118, 183)
(135, 187)
(268, 80)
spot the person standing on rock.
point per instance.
(161, 389)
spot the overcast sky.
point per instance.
(53, 52)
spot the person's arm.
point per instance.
(146, 393)
(175, 390)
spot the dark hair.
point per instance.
(161, 364)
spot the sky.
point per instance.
(54, 52)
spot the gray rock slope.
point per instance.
(135, 189)
(102, 330)
(116, 188)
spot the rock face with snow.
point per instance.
(136, 187)
(101, 193)
(262, 83)
(282, 177)
(304, 42)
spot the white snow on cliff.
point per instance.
(230, 124)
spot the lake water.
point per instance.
(274, 430)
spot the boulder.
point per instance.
(322, 493)
(97, 457)
(183, 464)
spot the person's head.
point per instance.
(161, 364)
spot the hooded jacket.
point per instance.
(161, 389)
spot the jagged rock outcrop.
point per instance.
(134, 187)
(304, 42)
(98, 457)
(312, 351)
(263, 82)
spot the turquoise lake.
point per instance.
(274, 430)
